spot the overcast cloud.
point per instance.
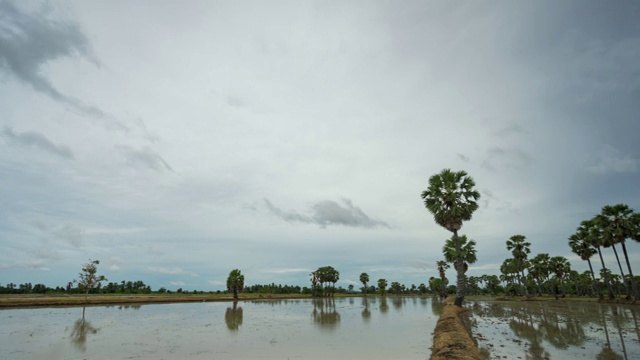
(176, 141)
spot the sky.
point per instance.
(176, 141)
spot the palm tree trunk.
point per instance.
(633, 281)
(595, 284)
(606, 281)
(626, 285)
(524, 285)
(459, 265)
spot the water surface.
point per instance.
(344, 328)
(556, 330)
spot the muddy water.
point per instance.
(371, 328)
(556, 330)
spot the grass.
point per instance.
(452, 338)
(51, 300)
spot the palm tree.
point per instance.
(235, 282)
(594, 237)
(619, 223)
(364, 279)
(382, 286)
(442, 266)
(314, 283)
(539, 269)
(466, 251)
(520, 250)
(452, 199)
(560, 266)
(508, 268)
(581, 247)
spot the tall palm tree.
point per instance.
(508, 268)
(442, 267)
(560, 266)
(607, 241)
(581, 247)
(466, 250)
(364, 279)
(452, 199)
(594, 237)
(619, 224)
(539, 269)
(520, 250)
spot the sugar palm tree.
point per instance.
(580, 246)
(466, 250)
(235, 282)
(619, 224)
(364, 279)
(520, 250)
(539, 269)
(452, 199)
(594, 237)
(560, 266)
(442, 267)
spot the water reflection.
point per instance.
(384, 306)
(366, 313)
(397, 302)
(560, 326)
(324, 313)
(437, 305)
(233, 317)
(82, 328)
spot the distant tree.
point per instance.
(452, 199)
(364, 279)
(382, 286)
(422, 288)
(350, 287)
(580, 246)
(235, 282)
(89, 277)
(519, 248)
(327, 274)
(396, 287)
(442, 267)
(560, 267)
(314, 283)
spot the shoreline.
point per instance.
(26, 301)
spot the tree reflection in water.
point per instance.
(82, 328)
(384, 307)
(397, 302)
(233, 317)
(324, 313)
(565, 326)
(366, 313)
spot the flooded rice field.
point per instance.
(556, 330)
(344, 328)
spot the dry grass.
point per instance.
(452, 339)
(31, 300)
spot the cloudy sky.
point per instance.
(176, 141)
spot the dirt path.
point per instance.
(452, 339)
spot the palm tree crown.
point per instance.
(451, 198)
(467, 251)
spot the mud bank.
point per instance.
(452, 338)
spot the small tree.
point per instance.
(89, 277)
(382, 286)
(364, 279)
(235, 282)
